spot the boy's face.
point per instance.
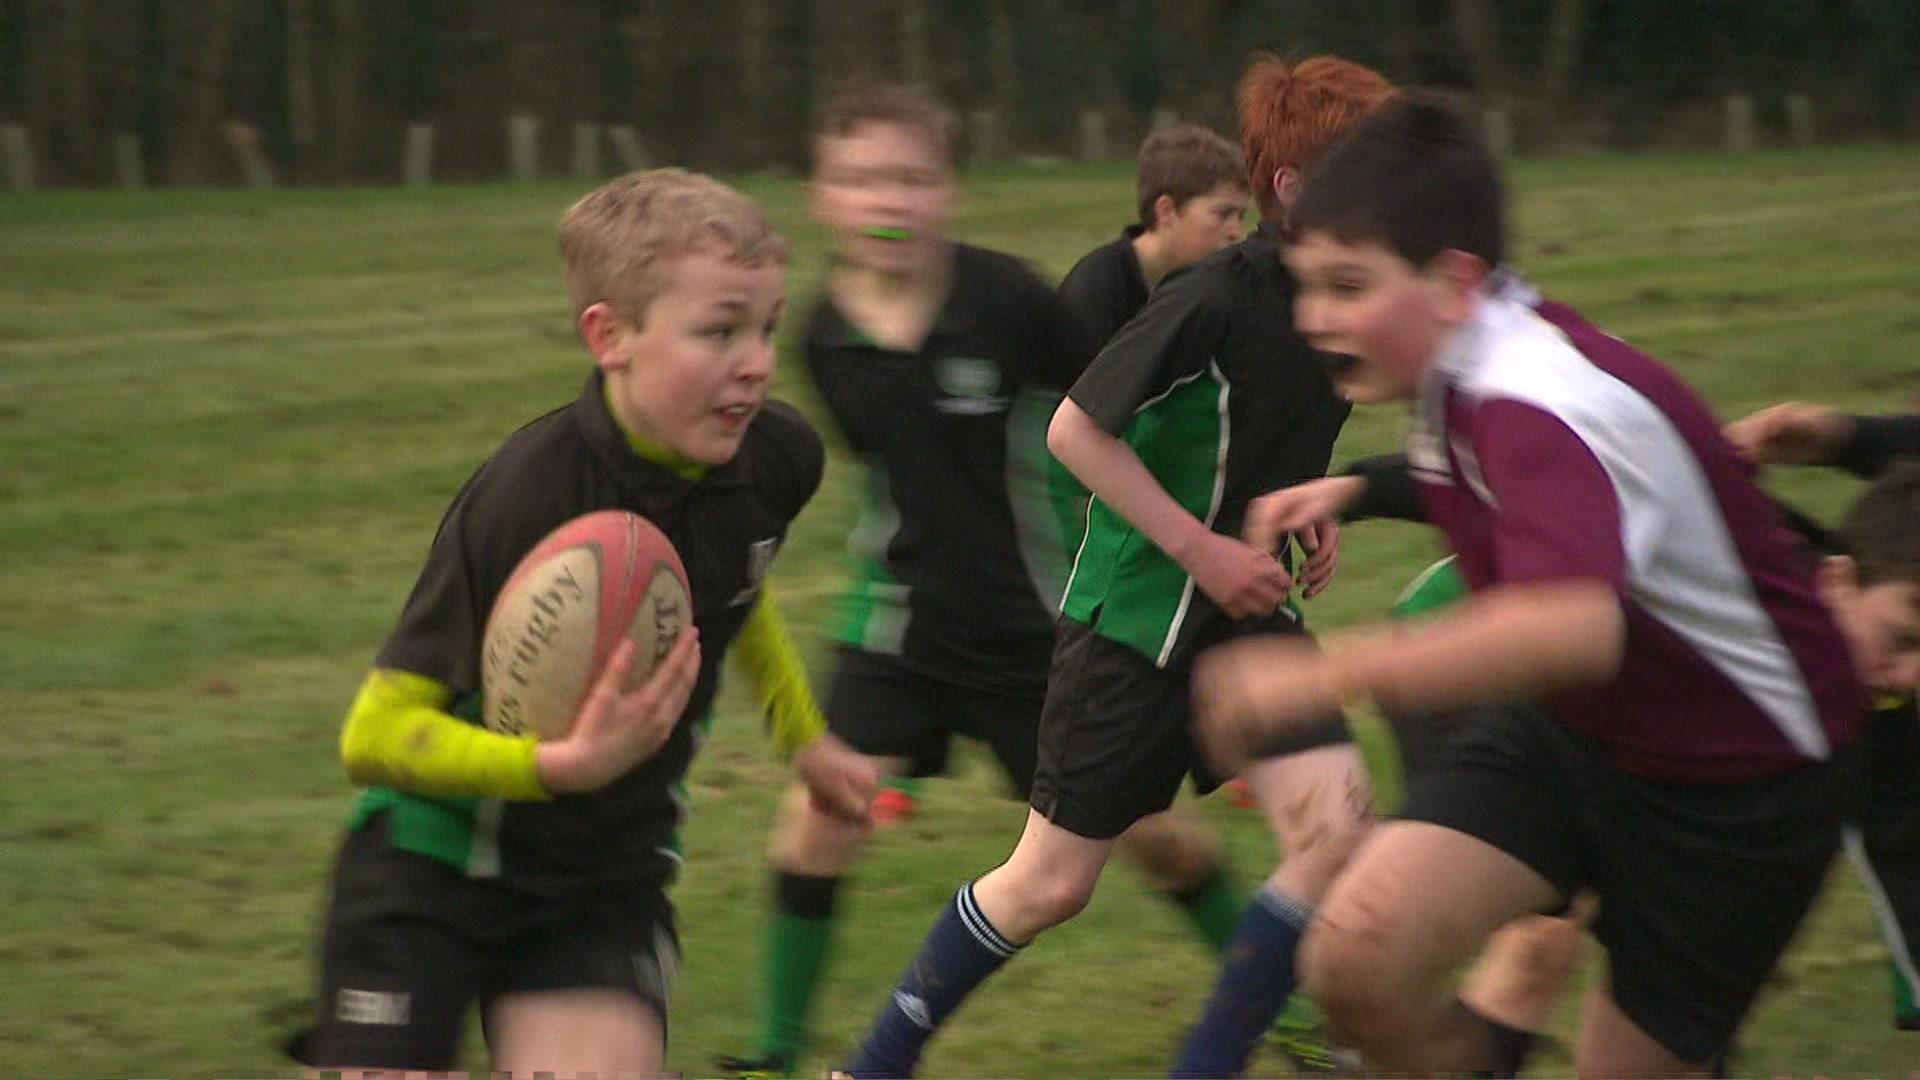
(1881, 622)
(884, 189)
(692, 376)
(1204, 224)
(1382, 315)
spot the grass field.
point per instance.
(229, 421)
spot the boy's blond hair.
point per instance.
(620, 241)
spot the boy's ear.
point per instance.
(601, 329)
(1459, 276)
(1286, 186)
(1163, 208)
(1837, 576)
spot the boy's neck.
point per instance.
(894, 310)
(924, 281)
(1150, 247)
(645, 448)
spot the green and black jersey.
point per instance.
(1223, 401)
(726, 525)
(961, 551)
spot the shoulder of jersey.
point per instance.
(995, 263)
(780, 420)
(524, 453)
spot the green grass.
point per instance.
(229, 421)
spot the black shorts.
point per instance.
(411, 944)
(1883, 840)
(1114, 741)
(881, 707)
(1701, 886)
(1421, 740)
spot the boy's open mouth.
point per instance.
(887, 232)
(1339, 364)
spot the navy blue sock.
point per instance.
(958, 954)
(1256, 978)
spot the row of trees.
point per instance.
(328, 87)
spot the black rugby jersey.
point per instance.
(961, 549)
(726, 526)
(1223, 401)
(1107, 287)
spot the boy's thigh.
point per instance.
(1415, 900)
(880, 707)
(398, 971)
(575, 1033)
(1113, 744)
(1701, 890)
(613, 936)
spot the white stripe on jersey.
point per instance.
(1682, 566)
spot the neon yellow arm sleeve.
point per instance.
(766, 653)
(398, 734)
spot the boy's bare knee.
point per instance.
(1059, 898)
(1351, 973)
(808, 841)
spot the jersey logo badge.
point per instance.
(759, 561)
(972, 386)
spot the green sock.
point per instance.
(1213, 906)
(793, 958)
(1301, 1016)
(1906, 1011)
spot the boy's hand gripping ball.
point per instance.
(560, 615)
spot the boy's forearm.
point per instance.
(1504, 644)
(1117, 477)
(398, 734)
(765, 652)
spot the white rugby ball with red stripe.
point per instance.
(590, 582)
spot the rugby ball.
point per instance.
(598, 578)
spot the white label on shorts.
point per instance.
(387, 1008)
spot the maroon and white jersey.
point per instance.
(1547, 450)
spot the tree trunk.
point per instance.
(756, 33)
(1478, 29)
(1560, 57)
(210, 28)
(343, 77)
(915, 67)
(300, 102)
(77, 134)
(1002, 62)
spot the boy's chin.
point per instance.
(1363, 391)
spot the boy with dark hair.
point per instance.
(1685, 694)
(1191, 191)
(940, 363)
(1205, 399)
(530, 877)
(1882, 837)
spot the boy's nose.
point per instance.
(756, 363)
(1309, 316)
